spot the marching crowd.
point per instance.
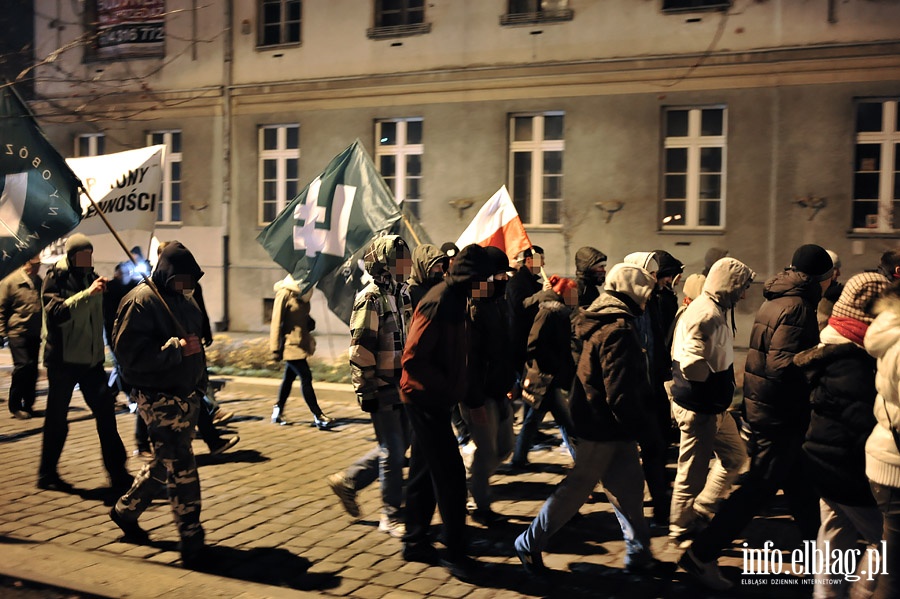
(447, 344)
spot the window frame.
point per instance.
(281, 154)
(537, 14)
(96, 144)
(537, 146)
(714, 5)
(405, 29)
(164, 210)
(400, 150)
(694, 141)
(888, 140)
(283, 25)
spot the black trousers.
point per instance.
(294, 369)
(92, 381)
(776, 463)
(24, 352)
(437, 476)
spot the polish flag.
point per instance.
(497, 224)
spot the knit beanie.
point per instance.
(78, 242)
(814, 261)
(859, 295)
(498, 259)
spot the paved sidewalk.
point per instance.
(278, 531)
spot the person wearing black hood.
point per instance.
(428, 267)
(161, 356)
(435, 377)
(590, 273)
(72, 295)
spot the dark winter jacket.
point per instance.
(491, 368)
(776, 394)
(588, 286)
(521, 292)
(424, 257)
(435, 373)
(20, 305)
(142, 336)
(842, 377)
(611, 391)
(549, 342)
(74, 316)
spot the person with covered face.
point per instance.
(429, 264)
(702, 389)
(377, 338)
(590, 274)
(161, 355)
(608, 403)
(435, 377)
(72, 296)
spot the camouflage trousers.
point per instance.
(171, 421)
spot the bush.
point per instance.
(251, 357)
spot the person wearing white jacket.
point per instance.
(702, 389)
(882, 341)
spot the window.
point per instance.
(169, 209)
(528, 12)
(279, 163)
(693, 186)
(876, 176)
(399, 18)
(694, 5)
(90, 144)
(279, 22)
(536, 146)
(398, 154)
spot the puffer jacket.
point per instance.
(424, 257)
(74, 317)
(144, 329)
(842, 377)
(883, 343)
(378, 330)
(776, 394)
(611, 392)
(703, 346)
(290, 334)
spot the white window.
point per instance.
(279, 163)
(90, 144)
(876, 178)
(693, 186)
(398, 154)
(279, 22)
(168, 210)
(536, 147)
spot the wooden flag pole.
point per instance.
(410, 229)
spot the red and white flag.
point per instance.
(497, 224)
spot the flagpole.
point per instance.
(409, 228)
(180, 329)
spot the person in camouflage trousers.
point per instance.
(163, 360)
(378, 333)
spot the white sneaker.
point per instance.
(707, 574)
(392, 526)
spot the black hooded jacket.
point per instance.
(144, 328)
(588, 286)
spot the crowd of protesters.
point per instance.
(447, 345)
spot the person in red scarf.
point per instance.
(842, 377)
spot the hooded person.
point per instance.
(842, 377)
(776, 401)
(713, 255)
(524, 294)
(608, 403)
(377, 336)
(159, 351)
(702, 390)
(72, 296)
(590, 273)
(429, 264)
(291, 340)
(435, 377)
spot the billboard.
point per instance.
(125, 29)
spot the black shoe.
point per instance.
(54, 483)
(653, 567)
(462, 568)
(197, 559)
(133, 531)
(424, 553)
(488, 517)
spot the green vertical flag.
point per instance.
(331, 219)
(38, 191)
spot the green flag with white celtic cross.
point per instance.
(38, 191)
(332, 218)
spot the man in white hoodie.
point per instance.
(702, 389)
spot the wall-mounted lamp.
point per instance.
(815, 204)
(461, 205)
(245, 27)
(610, 207)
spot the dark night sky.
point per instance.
(16, 43)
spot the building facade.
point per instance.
(751, 125)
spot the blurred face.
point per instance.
(402, 266)
(83, 259)
(182, 284)
(482, 289)
(570, 297)
(535, 262)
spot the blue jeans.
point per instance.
(386, 461)
(559, 408)
(616, 464)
